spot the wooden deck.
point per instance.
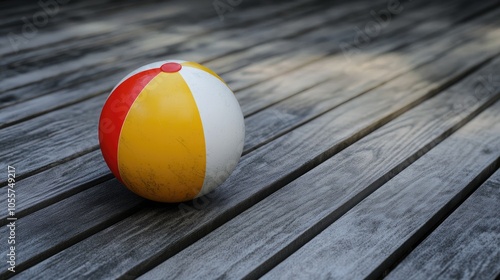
(372, 140)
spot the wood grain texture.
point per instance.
(74, 71)
(351, 80)
(83, 214)
(157, 16)
(312, 74)
(255, 73)
(314, 121)
(149, 18)
(304, 50)
(91, 27)
(59, 182)
(71, 13)
(465, 245)
(147, 46)
(42, 141)
(276, 163)
(37, 199)
(170, 18)
(100, 82)
(26, 110)
(260, 237)
(375, 233)
(39, 104)
(82, 138)
(145, 14)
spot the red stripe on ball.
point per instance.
(114, 112)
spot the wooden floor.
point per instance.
(372, 140)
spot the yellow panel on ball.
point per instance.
(161, 152)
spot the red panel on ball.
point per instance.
(114, 112)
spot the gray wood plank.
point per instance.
(465, 245)
(59, 182)
(306, 77)
(345, 83)
(68, 120)
(38, 198)
(142, 32)
(277, 163)
(256, 73)
(58, 35)
(262, 236)
(67, 14)
(31, 108)
(158, 44)
(112, 23)
(303, 50)
(315, 100)
(323, 34)
(24, 110)
(76, 217)
(96, 79)
(76, 48)
(160, 19)
(378, 231)
(41, 105)
(53, 137)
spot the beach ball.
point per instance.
(171, 131)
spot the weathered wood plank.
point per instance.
(156, 44)
(63, 14)
(147, 29)
(59, 182)
(13, 115)
(90, 28)
(85, 112)
(28, 91)
(346, 84)
(307, 106)
(327, 43)
(465, 245)
(144, 16)
(33, 107)
(70, 132)
(378, 231)
(267, 12)
(36, 199)
(33, 239)
(180, 26)
(303, 50)
(65, 243)
(268, 232)
(23, 111)
(314, 73)
(276, 164)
